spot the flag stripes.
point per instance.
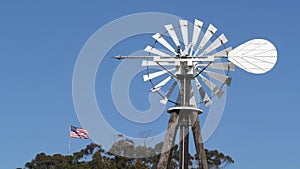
(76, 132)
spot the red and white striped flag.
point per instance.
(77, 132)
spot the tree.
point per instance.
(217, 160)
(93, 156)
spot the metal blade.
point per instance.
(162, 41)
(223, 53)
(212, 86)
(152, 63)
(203, 94)
(221, 66)
(156, 74)
(255, 56)
(155, 51)
(196, 32)
(159, 85)
(208, 34)
(165, 99)
(184, 32)
(192, 96)
(172, 34)
(217, 43)
(186, 49)
(219, 77)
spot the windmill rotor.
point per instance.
(198, 52)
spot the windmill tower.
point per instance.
(196, 67)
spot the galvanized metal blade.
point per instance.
(192, 97)
(184, 32)
(155, 51)
(169, 92)
(196, 32)
(161, 84)
(211, 30)
(216, 90)
(186, 49)
(223, 53)
(205, 98)
(214, 45)
(220, 66)
(170, 29)
(157, 74)
(162, 41)
(219, 77)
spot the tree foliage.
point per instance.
(95, 157)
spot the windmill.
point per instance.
(198, 67)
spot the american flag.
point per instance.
(77, 132)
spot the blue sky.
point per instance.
(40, 42)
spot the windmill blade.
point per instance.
(161, 84)
(157, 74)
(255, 56)
(162, 41)
(184, 32)
(186, 49)
(169, 92)
(203, 94)
(216, 90)
(219, 77)
(222, 53)
(152, 63)
(211, 30)
(192, 96)
(196, 32)
(220, 66)
(155, 51)
(170, 29)
(217, 43)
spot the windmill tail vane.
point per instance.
(201, 61)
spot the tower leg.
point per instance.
(184, 140)
(201, 156)
(166, 152)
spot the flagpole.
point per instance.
(69, 147)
